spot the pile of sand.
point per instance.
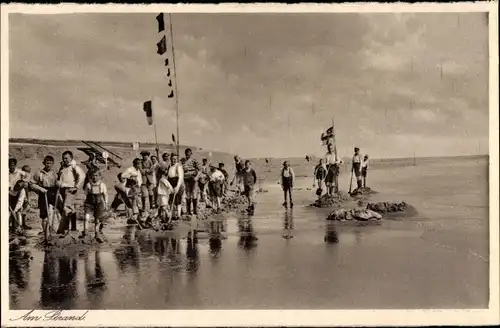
(334, 200)
(388, 207)
(234, 202)
(70, 240)
(354, 214)
(16, 242)
(366, 191)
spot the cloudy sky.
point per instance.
(258, 85)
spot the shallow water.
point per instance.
(291, 259)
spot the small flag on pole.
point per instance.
(169, 83)
(173, 138)
(166, 62)
(161, 23)
(162, 46)
(148, 108)
(171, 95)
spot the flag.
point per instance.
(148, 108)
(171, 95)
(162, 46)
(166, 61)
(169, 83)
(327, 136)
(168, 72)
(173, 138)
(161, 23)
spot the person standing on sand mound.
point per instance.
(332, 167)
(70, 179)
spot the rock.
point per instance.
(366, 215)
(387, 207)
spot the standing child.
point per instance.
(215, 186)
(46, 179)
(203, 178)
(17, 196)
(226, 177)
(320, 172)
(364, 169)
(249, 179)
(95, 203)
(164, 191)
(287, 179)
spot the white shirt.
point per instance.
(164, 187)
(16, 176)
(330, 159)
(176, 171)
(71, 176)
(217, 176)
(134, 174)
(365, 163)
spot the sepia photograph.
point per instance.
(315, 160)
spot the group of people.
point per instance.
(148, 184)
(327, 171)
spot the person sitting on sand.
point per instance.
(249, 178)
(226, 177)
(215, 186)
(356, 166)
(95, 204)
(239, 168)
(46, 179)
(287, 180)
(17, 196)
(133, 176)
(364, 169)
(175, 177)
(70, 179)
(319, 176)
(191, 168)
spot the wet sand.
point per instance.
(279, 259)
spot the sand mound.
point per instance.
(70, 240)
(354, 214)
(334, 200)
(388, 207)
(363, 192)
(234, 202)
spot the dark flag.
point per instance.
(267, 161)
(148, 108)
(307, 158)
(171, 95)
(161, 23)
(166, 61)
(327, 136)
(168, 72)
(169, 83)
(173, 138)
(162, 46)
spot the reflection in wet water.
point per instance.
(215, 238)
(288, 225)
(248, 240)
(58, 287)
(19, 274)
(95, 280)
(331, 235)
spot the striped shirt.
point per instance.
(191, 167)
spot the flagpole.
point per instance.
(335, 153)
(154, 129)
(175, 78)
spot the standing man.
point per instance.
(287, 179)
(70, 179)
(249, 178)
(203, 178)
(332, 167)
(240, 167)
(148, 181)
(364, 169)
(356, 166)
(191, 168)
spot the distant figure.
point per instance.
(287, 180)
(319, 177)
(356, 166)
(249, 179)
(96, 202)
(203, 177)
(307, 158)
(364, 169)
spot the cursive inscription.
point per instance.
(56, 315)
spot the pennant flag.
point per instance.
(327, 136)
(169, 83)
(307, 158)
(173, 138)
(162, 46)
(161, 23)
(168, 72)
(166, 61)
(148, 108)
(267, 161)
(171, 95)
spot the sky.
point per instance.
(258, 85)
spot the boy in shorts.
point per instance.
(95, 203)
(249, 178)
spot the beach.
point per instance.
(287, 259)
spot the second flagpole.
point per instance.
(175, 81)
